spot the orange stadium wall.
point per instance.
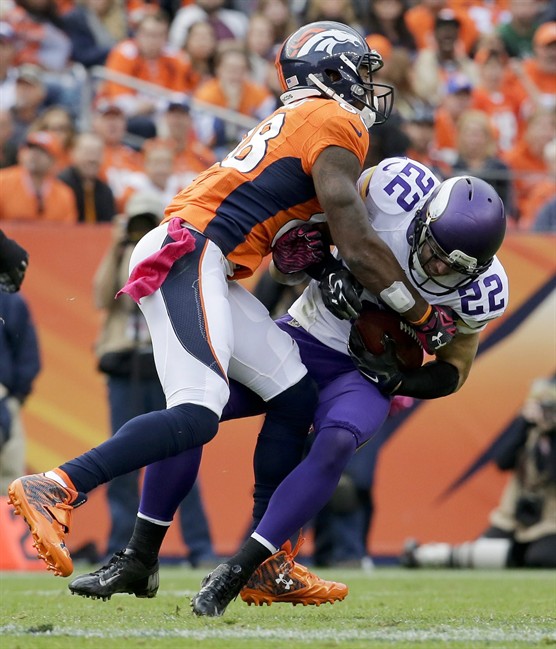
(67, 412)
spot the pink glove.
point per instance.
(437, 328)
(298, 248)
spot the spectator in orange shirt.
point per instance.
(477, 155)
(121, 163)
(435, 64)
(543, 191)
(496, 95)
(526, 158)
(58, 120)
(158, 178)
(190, 155)
(145, 57)
(231, 88)
(537, 75)
(30, 190)
(454, 104)
(421, 21)
(486, 15)
(42, 40)
(199, 50)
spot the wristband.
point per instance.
(423, 319)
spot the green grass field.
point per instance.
(387, 607)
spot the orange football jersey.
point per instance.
(242, 202)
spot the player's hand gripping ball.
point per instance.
(373, 323)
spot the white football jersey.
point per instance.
(393, 191)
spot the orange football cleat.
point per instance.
(281, 579)
(46, 507)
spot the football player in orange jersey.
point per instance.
(303, 161)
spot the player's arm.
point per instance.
(335, 173)
(460, 352)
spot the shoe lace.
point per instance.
(220, 588)
(290, 553)
(108, 567)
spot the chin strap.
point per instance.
(367, 115)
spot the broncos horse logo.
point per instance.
(319, 40)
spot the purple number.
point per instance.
(494, 301)
(473, 293)
(425, 184)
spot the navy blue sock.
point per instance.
(141, 441)
(281, 441)
(178, 475)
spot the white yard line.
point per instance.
(444, 634)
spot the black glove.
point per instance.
(13, 264)
(341, 292)
(438, 329)
(382, 370)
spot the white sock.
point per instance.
(54, 476)
(267, 544)
(154, 521)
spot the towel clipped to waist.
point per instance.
(150, 273)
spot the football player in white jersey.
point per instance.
(445, 236)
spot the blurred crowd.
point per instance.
(102, 98)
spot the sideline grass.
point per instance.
(388, 607)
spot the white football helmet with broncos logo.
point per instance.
(333, 60)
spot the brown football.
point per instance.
(373, 323)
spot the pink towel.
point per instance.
(149, 274)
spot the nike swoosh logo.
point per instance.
(359, 133)
(106, 582)
(373, 379)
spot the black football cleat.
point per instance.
(124, 573)
(218, 589)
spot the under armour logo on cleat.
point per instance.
(287, 583)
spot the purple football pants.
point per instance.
(350, 411)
